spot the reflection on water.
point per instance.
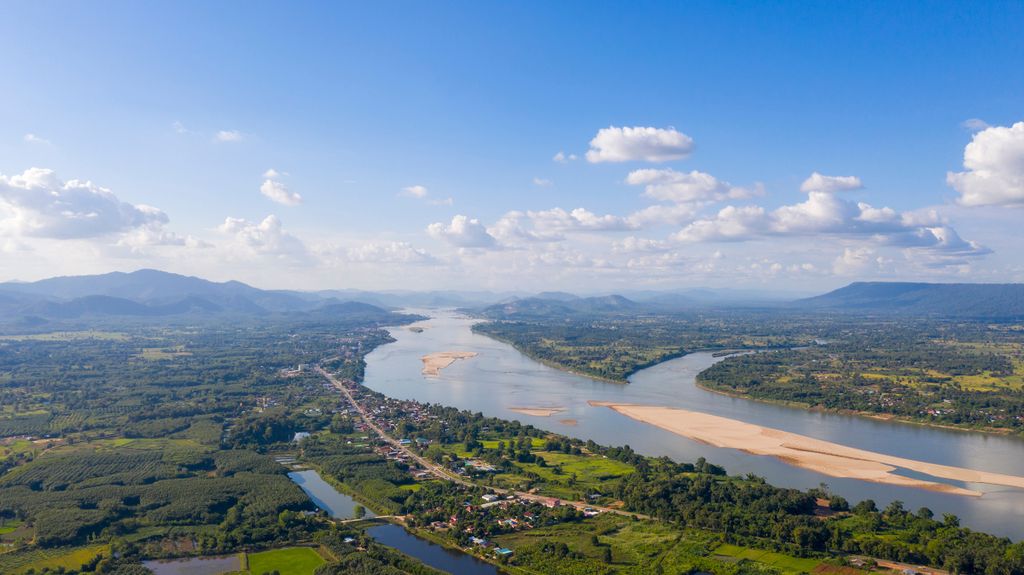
(432, 554)
(500, 378)
(325, 496)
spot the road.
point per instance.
(442, 473)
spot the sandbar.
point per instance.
(824, 457)
(537, 411)
(568, 421)
(433, 363)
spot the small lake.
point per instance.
(432, 554)
(195, 566)
(325, 496)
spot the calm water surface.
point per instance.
(430, 553)
(325, 496)
(501, 378)
(195, 566)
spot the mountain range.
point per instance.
(155, 294)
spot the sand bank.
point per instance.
(433, 363)
(817, 455)
(537, 411)
(568, 421)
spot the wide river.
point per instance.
(500, 378)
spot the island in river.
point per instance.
(433, 363)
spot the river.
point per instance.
(500, 379)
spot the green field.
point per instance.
(784, 563)
(288, 561)
(69, 559)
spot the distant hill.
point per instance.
(156, 294)
(539, 307)
(991, 301)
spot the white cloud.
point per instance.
(668, 185)
(579, 219)
(388, 253)
(271, 173)
(830, 184)
(731, 223)
(635, 245)
(543, 182)
(563, 158)
(179, 128)
(266, 238)
(994, 162)
(509, 229)
(229, 136)
(463, 232)
(155, 235)
(674, 214)
(31, 138)
(37, 203)
(855, 261)
(975, 124)
(630, 144)
(415, 191)
(278, 192)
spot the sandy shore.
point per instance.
(433, 363)
(817, 455)
(537, 411)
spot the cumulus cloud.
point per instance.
(830, 184)
(668, 185)
(579, 219)
(631, 144)
(265, 238)
(463, 232)
(31, 138)
(37, 203)
(563, 158)
(994, 162)
(674, 214)
(512, 228)
(827, 214)
(542, 182)
(278, 192)
(229, 136)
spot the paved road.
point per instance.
(442, 473)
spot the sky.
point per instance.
(582, 146)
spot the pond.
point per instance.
(195, 566)
(432, 554)
(325, 496)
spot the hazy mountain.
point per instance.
(157, 288)
(537, 307)
(996, 301)
(153, 294)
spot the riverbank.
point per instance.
(824, 457)
(859, 413)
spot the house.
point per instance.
(504, 551)
(489, 497)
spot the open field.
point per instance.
(288, 561)
(68, 336)
(17, 562)
(821, 456)
(784, 563)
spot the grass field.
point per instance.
(636, 547)
(288, 561)
(158, 353)
(70, 559)
(783, 563)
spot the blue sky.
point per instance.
(185, 107)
